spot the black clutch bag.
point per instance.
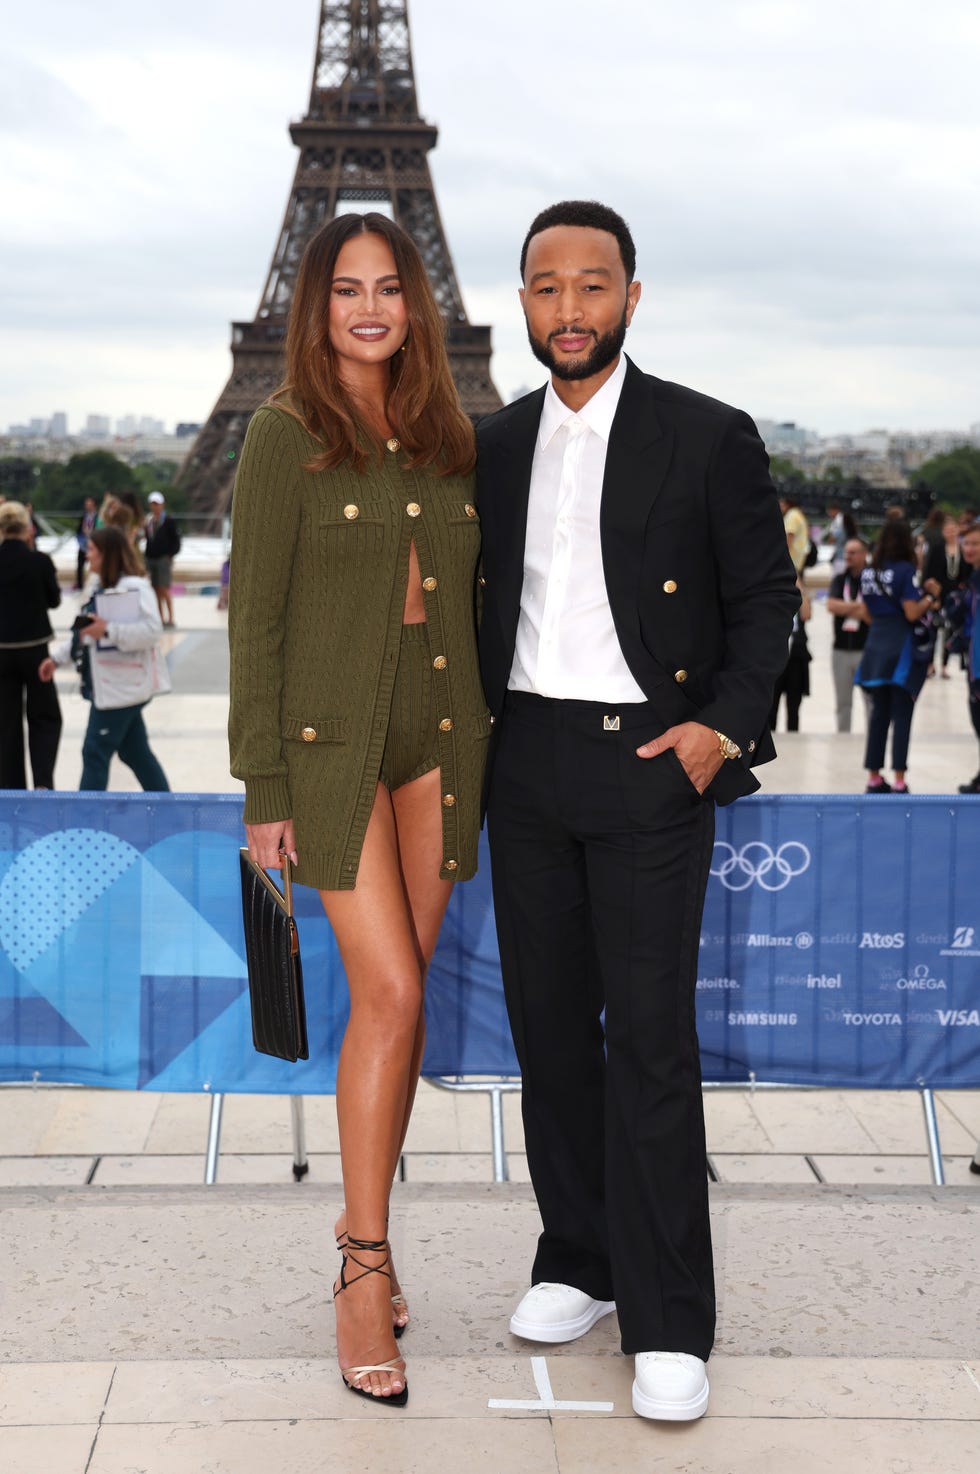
(275, 972)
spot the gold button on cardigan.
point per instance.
(315, 621)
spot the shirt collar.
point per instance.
(597, 413)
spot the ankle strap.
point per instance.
(367, 1246)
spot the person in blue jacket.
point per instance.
(894, 601)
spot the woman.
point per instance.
(28, 589)
(120, 664)
(122, 510)
(894, 602)
(357, 719)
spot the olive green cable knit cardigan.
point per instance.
(319, 569)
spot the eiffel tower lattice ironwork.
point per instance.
(362, 142)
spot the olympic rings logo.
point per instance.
(756, 861)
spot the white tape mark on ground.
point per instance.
(972, 1378)
(546, 1400)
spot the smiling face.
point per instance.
(577, 302)
(368, 312)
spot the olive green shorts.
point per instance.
(412, 743)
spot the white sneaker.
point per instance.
(557, 1313)
(670, 1385)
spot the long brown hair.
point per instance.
(118, 556)
(421, 402)
(894, 544)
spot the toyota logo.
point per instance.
(755, 861)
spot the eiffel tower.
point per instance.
(362, 142)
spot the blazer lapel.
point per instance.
(513, 454)
(637, 462)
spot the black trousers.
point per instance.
(600, 862)
(21, 689)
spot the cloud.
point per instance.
(802, 181)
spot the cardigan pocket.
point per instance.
(348, 538)
(315, 729)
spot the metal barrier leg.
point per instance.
(500, 1172)
(932, 1136)
(300, 1162)
(214, 1139)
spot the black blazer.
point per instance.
(700, 582)
(28, 589)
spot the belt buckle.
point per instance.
(610, 724)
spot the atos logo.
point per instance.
(759, 864)
(880, 941)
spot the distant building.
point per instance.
(96, 427)
(184, 430)
(59, 425)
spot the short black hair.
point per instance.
(592, 216)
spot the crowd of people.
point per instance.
(902, 609)
(114, 643)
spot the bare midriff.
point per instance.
(414, 611)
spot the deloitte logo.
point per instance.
(759, 864)
(964, 943)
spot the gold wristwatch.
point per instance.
(726, 746)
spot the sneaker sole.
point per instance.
(562, 1330)
(670, 1412)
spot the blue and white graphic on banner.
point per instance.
(840, 945)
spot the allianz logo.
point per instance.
(802, 939)
(959, 1018)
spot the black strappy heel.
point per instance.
(398, 1302)
(352, 1375)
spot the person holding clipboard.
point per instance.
(115, 645)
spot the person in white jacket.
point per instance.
(120, 663)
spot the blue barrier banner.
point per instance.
(840, 946)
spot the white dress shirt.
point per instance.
(567, 647)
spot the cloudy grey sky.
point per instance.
(802, 178)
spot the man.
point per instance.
(967, 600)
(797, 531)
(638, 599)
(162, 546)
(844, 602)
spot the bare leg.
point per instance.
(379, 941)
(418, 830)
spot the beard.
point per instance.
(605, 351)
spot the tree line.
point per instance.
(58, 488)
